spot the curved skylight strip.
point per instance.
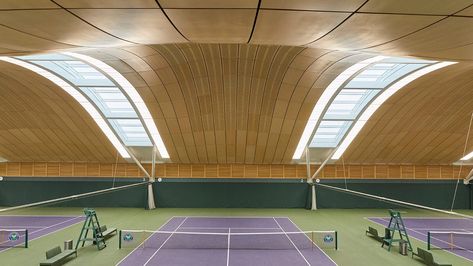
(391, 90)
(84, 102)
(325, 99)
(134, 96)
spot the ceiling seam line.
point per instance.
(254, 21)
(170, 21)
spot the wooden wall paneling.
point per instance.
(290, 171)
(211, 170)
(394, 171)
(93, 169)
(368, 171)
(3, 169)
(446, 172)
(66, 169)
(80, 169)
(198, 170)
(107, 170)
(329, 171)
(238, 170)
(120, 170)
(26, 169)
(185, 170)
(381, 171)
(224, 170)
(407, 171)
(301, 171)
(264, 170)
(40, 169)
(251, 170)
(53, 169)
(433, 171)
(277, 171)
(13, 169)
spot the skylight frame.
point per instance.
(323, 105)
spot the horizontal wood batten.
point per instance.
(71, 169)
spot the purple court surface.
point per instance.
(418, 227)
(37, 226)
(288, 251)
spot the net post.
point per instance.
(119, 239)
(428, 240)
(336, 240)
(26, 238)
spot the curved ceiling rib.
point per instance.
(352, 97)
(104, 93)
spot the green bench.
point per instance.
(427, 258)
(374, 234)
(55, 256)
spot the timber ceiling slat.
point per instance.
(107, 3)
(431, 7)
(339, 5)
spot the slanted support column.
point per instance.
(151, 203)
(314, 176)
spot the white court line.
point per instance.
(236, 217)
(292, 242)
(168, 220)
(385, 219)
(228, 246)
(19, 226)
(321, 250)
(30, 233)
(156, 252)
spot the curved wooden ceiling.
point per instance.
(41, 122)
(235, 81)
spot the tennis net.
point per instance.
(13, 238)
(228, 240)
(450, 240)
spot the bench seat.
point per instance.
(56, 257)
(427, 258)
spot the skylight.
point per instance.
(109, 98)
(349, 101)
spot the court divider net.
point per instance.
(13, 238)
(205, 239)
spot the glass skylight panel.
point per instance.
(380, 75)
(111, 101)
(76, 72)
(329, 134)
(131, 132)
(348, 104)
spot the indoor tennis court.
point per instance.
(236, 132)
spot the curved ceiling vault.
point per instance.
(236, 81)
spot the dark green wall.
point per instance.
(437, 194)
(233, 193)
(19, 191)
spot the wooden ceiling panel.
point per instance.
(214, 25)
(27, 4)
(339, 5)
(19, 41)
(293, 27)
(366, 30)
(431, 7)
(148, 26)
(208, 4)
(57, 25)
(449, 33)
(107, 3)
(466, 12)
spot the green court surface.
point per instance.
(354, 247)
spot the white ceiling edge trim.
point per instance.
(89, 107)
(324, 100)
(391, 90)
(134, 96)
